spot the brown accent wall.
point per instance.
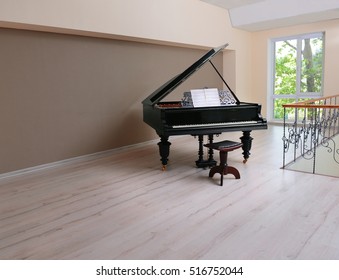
(63, 96)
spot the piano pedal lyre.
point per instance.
(163, 168)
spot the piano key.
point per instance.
(214, 124)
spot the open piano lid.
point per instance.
(168, 87)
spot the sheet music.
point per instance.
(208, 97)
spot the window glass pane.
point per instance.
(311, 72)
(285, 67)
(297, 72)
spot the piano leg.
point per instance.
(164, 148)
(246, 141)
(210, 161)
(200, 160)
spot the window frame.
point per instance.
(271, 69)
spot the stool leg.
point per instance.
(223, 165)
(223, 168)
(232, 170)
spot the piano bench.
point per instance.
(223, 169)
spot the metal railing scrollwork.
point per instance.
(308, 125)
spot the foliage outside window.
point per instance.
(298, 71)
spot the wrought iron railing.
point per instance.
(309, 125)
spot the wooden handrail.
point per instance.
(310, 103)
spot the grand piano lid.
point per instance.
(168, 87)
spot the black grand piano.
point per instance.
(183, 118)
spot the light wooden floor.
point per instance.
(122, 206)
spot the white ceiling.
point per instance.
(256, 15)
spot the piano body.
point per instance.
(174, 118)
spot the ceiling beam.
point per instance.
(256, 15)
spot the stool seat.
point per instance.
(226, 145)
(223, 168)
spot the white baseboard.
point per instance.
(73, 160)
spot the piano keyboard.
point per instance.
(214, 124)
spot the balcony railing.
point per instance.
(308, 126)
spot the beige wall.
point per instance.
(190, 22)
(64, 96)
(260, 54)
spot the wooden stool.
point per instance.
(223, 169)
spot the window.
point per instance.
(297, 71)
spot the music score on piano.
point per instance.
(207, 97)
